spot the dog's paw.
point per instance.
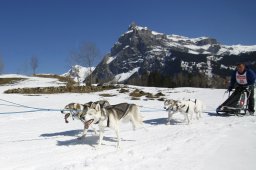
(97, 147)
(118, 148)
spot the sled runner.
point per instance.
(236, 104)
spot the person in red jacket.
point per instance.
(244, 77)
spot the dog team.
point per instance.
(102, 114)
(186, 107)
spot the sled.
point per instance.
(236, 104)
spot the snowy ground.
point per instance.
(43, 141)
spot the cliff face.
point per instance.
(140, 52)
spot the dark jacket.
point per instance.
(250, 76)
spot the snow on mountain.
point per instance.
(110, 59)
(197, 45)
(168, 55)
(42, 140)
(78, 73)
(124, 76)
(236, 49)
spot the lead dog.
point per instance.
(78, 111)
(75, 110)
(111, 116)
(168, 105)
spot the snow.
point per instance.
(156, 33)
(237, 49)
(41, 140)
(13, 76)
(190, 43)
(193, 52)
(31, 81)
(177, 38)
(141, 28)
(124, 76)
(79, 73)
(110, 59)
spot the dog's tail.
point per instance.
(137, 116)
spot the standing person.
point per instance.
(241, 78)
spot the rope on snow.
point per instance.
(34, 109)
(37, 109)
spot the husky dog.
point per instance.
(174, 106)
(78, 111)
(168, 105)
(185, 107)
(102, 103)
(75, 110)
(111, 116)
(198, 107)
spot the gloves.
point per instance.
(230, 89)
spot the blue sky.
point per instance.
(52, 29)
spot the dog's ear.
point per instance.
(93, 105)
(86, 105)
(97, 107)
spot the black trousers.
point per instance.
(251, 99)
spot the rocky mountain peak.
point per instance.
(78, 73)
(140, 52)
(205, 41)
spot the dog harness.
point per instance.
(186, 109)
(106, 117)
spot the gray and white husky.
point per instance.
(111, 116)
(78, 111)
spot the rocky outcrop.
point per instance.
(60, 89)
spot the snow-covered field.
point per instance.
(43, 141)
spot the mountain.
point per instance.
(145, 57)
(78, 73)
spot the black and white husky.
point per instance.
(186, 107)
(111, 116)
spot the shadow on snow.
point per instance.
(161, 121)
(89, 140)
(65, 133)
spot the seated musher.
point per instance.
(243, 78)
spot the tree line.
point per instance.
(181, 79)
